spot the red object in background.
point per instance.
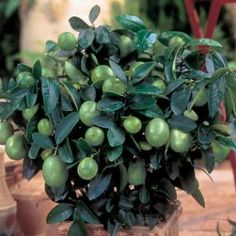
(198, 32)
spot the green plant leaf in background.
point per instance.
(94, 13)
(78, 24)
(42, 141)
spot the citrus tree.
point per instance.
(116, 123)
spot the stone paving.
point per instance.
(220, 198)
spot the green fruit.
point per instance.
(101, 73)
(134, 66)
(191, 114)
(180, 141)
(45, 127)
(25, 79)
(160, 84)
(55, 173)
(136, 173)
(126, 46)
(114, 86)
(6, 130)
(30, 112)
(176, 40)
(46, 153)
(132, 125)
(145, 146)
(220, 151)
(201, 98)
(87, 168)
(157, 132)
(49, 73)
(94, 136)
(88, 110)
(15, 147)
(67, 41)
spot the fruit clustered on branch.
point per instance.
(116, 119)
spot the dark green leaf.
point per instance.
(204, 42)
(60, 213)
(115, 136)
(37, 70)
(109, 104)
(85, 213)
(118, 71)
(216, 95)
(30, 129)
(179, 100)
(144, 195)
(50, 93)
(102, 121)
(132, 23)
(115, 153)
(65, 126)
(21, 68)
(113, 227)
(65, 152)
(42, 141)
(102, 35)
(50, 46)
(209, 159)
(145, 39)
(152, 112)
(78, 24)
(31, 98)
(94, 13)
(125, 203)
(183, 123)
(98, 186)
(145, 89)
(33, 151)
(77, 229)
(66, 104)
(30, 169)
(205, 137)
(173, 85)
(141, 102)
(83, 147)
(88, 93)
(142, 71)
(197, 195)
(123, 177)
(165, 37)
(86, 38)
(227, 141)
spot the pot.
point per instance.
(168, 228)
(32, 206)
(7, 203)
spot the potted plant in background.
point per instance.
(116, 120)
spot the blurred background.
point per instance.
(25, 26)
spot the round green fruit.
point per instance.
(180, 141)
(145, 146)
(132, 125)
(25, 79)
(201, 98)
(220, 151)
(134, 67)
(46, 153)
(88, 111)
(101, 73)
(67, 41)
(29, 113)
(94, 136)
(136, 173)
(55, 173)
(176, 40)
(113, 86)
(157, 132)
(160, 84)
(49, 73)
(126, 46)
(191, 114)
(6, 130)
(87, 168)
(45, 127)
(15, 147)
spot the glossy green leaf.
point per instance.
(98, 186)
(123, 177)
(115, 136)
(86, 38)
(88, 93)
(118, 71)
(65, 126)
(197, 195)
(115, 153)
(33, 151)
(78, 229)
(132, 23)
(65, 153)
(145, 89)
(50, 92)
(103, 121)
(145, 39)
(141, 102)
(42, 141)
(83, 147)
(109, 104)
(78, 24)
(209, 159)
(165, 37)
(204, 42)
(37, 70)
(102, 35)
(183, 123)
(152, 112)
(60, 213)
(144, 195)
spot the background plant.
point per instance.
(96, 83)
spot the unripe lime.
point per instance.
(87, 168)
(67, 41)
(29, 113)
(101, 73)
(132, 125)
(113, 86)
(45, 127)
(136, 173)
(94, 136)
(6, 130)
(25, 79)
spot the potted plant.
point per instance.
(118, 119)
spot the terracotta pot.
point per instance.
(7, 203)
(32, 206)
(167, 228)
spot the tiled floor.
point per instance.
(220, 198)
